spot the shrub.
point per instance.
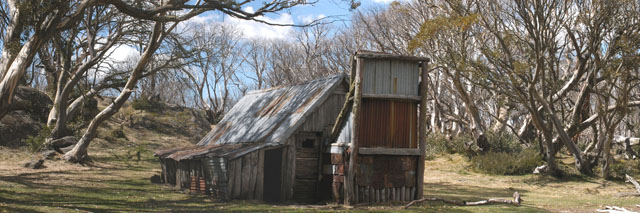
(502, 163)
(441, 144)
(37, 142)
(504, 142)
(619, 168)
(117, 133)
(147, 105)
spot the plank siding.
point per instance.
(259, 190)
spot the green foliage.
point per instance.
(619, 168)
(147, 105)
(502, 163)
(117, 133)
(441, 144)
(504, 142)
(36, 143)
(430, 28)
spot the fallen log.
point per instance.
(516, 201)
(633, 181)
(614, 209)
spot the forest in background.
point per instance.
(526, 78)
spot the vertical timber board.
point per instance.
(237, 185)
(422, 130)
(230, 177)
(246, 176)
(254, 173)
(260, 177)
(291, 158)
(350, 182)
(286, 182)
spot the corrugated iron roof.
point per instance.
(216, 150)
(382, 55)
(270, 116)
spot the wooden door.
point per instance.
(306, 169)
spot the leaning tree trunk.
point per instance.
(79, 151)
(477, 128)
(15, 71)
(14, 65)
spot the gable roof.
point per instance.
(270, 116)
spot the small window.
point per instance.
(308, 143)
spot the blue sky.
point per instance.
(296, 15)
(335, 9)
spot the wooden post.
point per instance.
(349, 182)
(422, 129)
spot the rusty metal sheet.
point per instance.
(386, 123)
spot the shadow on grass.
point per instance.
(86, 194)
(474, 193)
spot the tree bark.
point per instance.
(79, 151)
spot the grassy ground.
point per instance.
(117, 181)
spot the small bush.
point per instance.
(502, 163)
(441, 144)
(36, 143)
(619, 168)
(117, 133)
(503, 142)
(147, 105)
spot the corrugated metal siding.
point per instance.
(390, 77)
(390, 124)
(215, 172)
(345, 133)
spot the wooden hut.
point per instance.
(299, 142)
(269, 146)
(378, 154)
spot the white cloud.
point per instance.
(253, 29)
(386, 1)
(122, 52)
(383, 1)
(204, 18)
(310, 18)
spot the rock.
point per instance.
(156, 179)
(16, 127)
(36, 103)
(27, 111)
(541, 169)
(63, 142)
(34, 164)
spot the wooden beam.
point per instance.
(343, 117)
(422, 130)
(388, 151)
(350, 181)
(393, 96)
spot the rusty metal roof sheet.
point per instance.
(217, 150)
(270, 116)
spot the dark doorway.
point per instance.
(272, 175)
